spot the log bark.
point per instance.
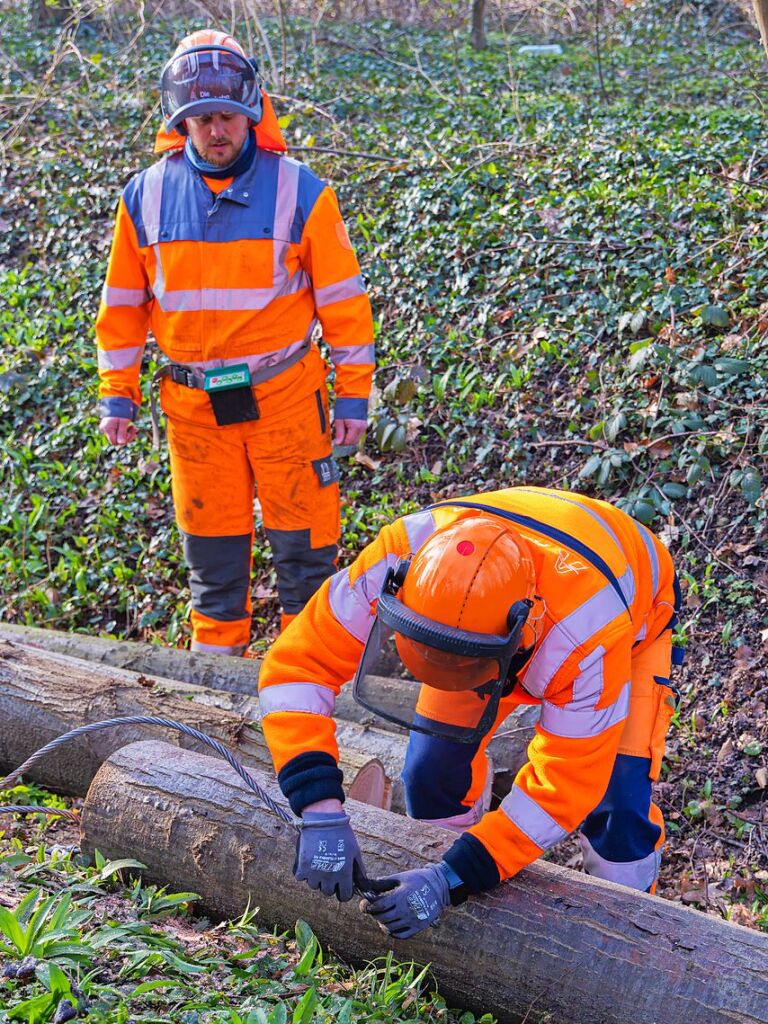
(43, 695)
(548, 942)
(240, 675)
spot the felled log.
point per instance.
(240, 675)
(43, 695)
(548, 942)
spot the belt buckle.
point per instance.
(182, 375)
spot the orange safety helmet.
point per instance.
(453, 618)
(466, 576)
(209, 72)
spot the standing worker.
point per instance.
(231, 252)
(520, 596)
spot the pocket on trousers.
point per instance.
(667, 699)
(321, 413)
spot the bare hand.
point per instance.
(348, 431)
(117, 429)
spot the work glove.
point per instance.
(414, 900)
(328, 857)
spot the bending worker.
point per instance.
(521, 596)
(231, 253)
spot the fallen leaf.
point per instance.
(670, 276)
(725, 751)
(761, 777)
(365, 460)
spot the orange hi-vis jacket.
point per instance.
(607, 591)
(238, 277)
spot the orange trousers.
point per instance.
(216, 473)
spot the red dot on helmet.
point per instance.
(465, 547)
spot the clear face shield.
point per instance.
(207, 80)
(431, 678)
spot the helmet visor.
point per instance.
(427, 677)
(207, 79)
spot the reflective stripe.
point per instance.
(592, 512)
(653, 556)
(152, 200)
(419, 526)
(306, 698)
(158, 285)
(237, 650)
(119, 358)
(351, 603)
(197, 300)
(288, 171)
(523, 811)
(574, 630)
(636, 874)
(124, 296)
(353, 355)
(578, 723)
(349, 288)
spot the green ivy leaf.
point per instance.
(714, 316)
(752, 486)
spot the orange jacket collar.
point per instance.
(268, 134)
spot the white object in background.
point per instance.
(553, 48)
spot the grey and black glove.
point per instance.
(413, 900)
(328, 857)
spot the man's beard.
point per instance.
(216, 159)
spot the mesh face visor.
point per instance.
(433, 679)
(208, 80)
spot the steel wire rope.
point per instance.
(362, 884)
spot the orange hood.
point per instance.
(268, 134)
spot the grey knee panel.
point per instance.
(300, 568)
(219, 575)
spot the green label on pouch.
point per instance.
(227, 377)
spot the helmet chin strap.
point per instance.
(518, 662)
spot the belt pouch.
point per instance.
(231, 395)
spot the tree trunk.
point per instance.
(548, 941)
(241, 675)
(761, 13)
(479, 41)
(43, 695)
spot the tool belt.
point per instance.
(230, 404)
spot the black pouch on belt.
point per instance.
(231, 395)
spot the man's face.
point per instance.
(218, 138)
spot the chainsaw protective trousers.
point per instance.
(215, 473)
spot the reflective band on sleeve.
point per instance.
(353, 355)
(419, 526)
(111, 296)
(580, 722)
(574, 630)
(523, 811)
(653, 556)
(306, 698)
(636, 874)
(119, 358)
(351, 604)
(349, 288)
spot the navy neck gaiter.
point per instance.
(239, 165)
